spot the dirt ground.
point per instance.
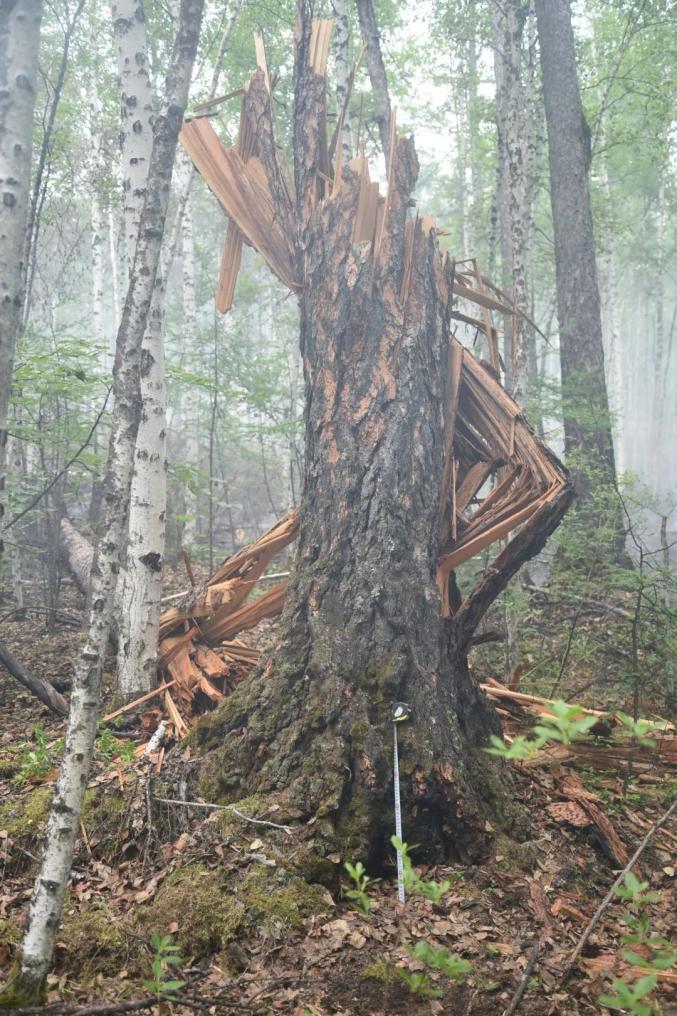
(253, 936)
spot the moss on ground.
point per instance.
(24, 819)
(212, 911)
(25, 816)
(382, 971)
(98, 941)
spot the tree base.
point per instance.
(277, 743)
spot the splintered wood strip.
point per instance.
(229, 268)
(473, 481)
(211, 664)
(482, 299)
(320, 37)
(208, 689)
(238, 652)
(268, 605)
(475, 323)
(242, 189)
(453, 385)
(275, 539)
(489, 330)
(171, 648)
(465, 551)
(364, 227)
(261, 61)
(175, 716)
(392, 156)
(137, 702)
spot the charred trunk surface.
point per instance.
(362, 627)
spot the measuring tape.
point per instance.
(400, 713)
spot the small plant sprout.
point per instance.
(419, 983)
(358, 895)
(428, 888)
(657, 954)
(566, 723)
(450, 964)
(628, 998)
(166, 956)
(639, 728)
(635, 892)
(520, 750)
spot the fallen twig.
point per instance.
(138, 701)
(594, 920)
(224, 807)
(522, 986)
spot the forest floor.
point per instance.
(252, 936)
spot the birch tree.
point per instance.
(19, 43)
(141, 577)
(62, 827)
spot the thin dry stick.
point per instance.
(522, 986)
(224, 807)
(138, 701)
(610, 895)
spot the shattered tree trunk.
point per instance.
(403, 429)
(363, 627)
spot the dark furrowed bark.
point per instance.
(587, 422)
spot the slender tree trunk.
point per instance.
(513, 131)
(141, 592)
(342, 59)
(587, 426)
(658, 421)
(98, 227)
(62, 826)
(190, 334)
(77, 554)
(140, 587)
(19, 42)
(377, 71)
(136, 96)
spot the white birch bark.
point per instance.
(190, 326)
(136, 97)
(19, 43)
(342, 70)
(140, 586)
(62, 827)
